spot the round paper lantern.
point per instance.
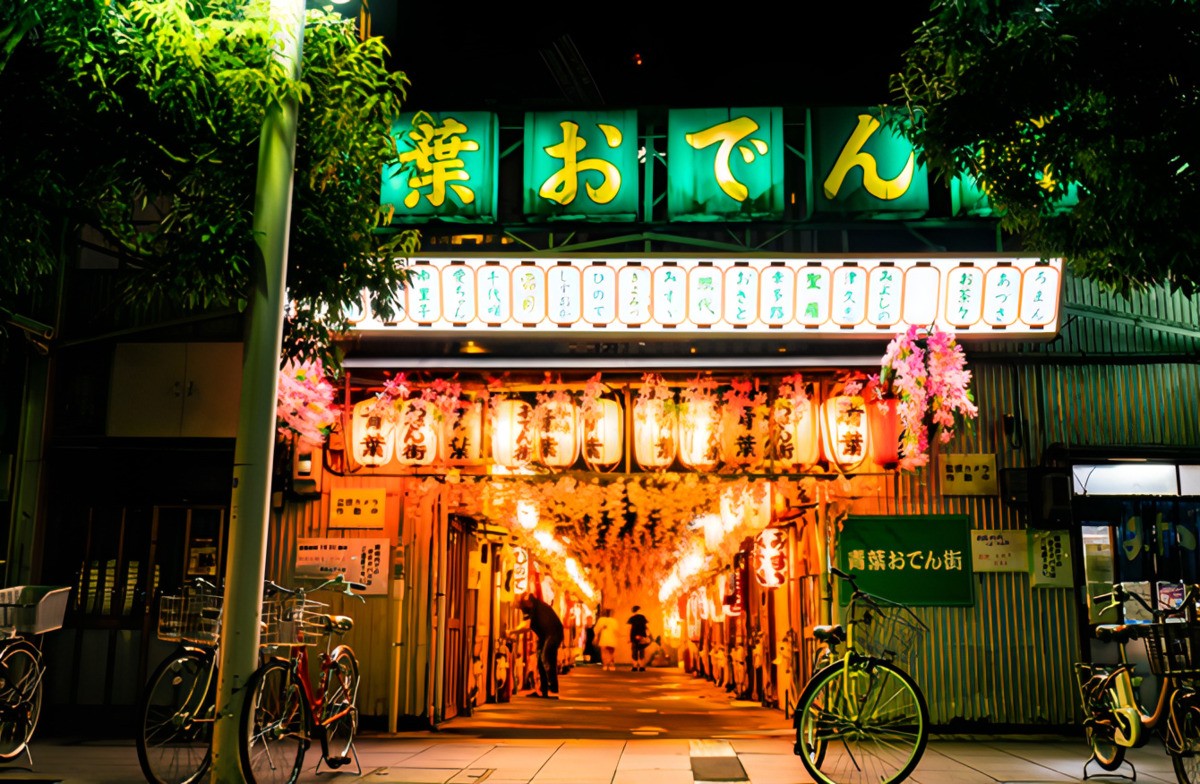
(796, 437)
(746, 505)
(604, 435)
(745, 433)
(654, 434)
(883, 420)
(373, 434)
(512, 433)
(416, 434)
(557, 426)
(699, 440)
(844, 437)
(770, 562)
(461, 441)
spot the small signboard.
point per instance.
(357, 507)
(922, 560)
(1000, 551)
(969, 474)
(360, 560)
(1050, 560)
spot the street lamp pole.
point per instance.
(250, 504)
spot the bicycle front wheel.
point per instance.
(20, 697)
(177, 709)
(1184, 737)
(274, 726)
(339, 711)
(861, 722)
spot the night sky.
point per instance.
(725, 55)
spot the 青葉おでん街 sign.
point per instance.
(922, 560)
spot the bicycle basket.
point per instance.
(1174, 648)
(193, 617)
(33, 609)
(288, 621)
(885, 629)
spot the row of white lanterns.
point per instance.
(555, 434)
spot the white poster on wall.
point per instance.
(360, 560)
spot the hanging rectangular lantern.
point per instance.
(373, 434)
(604, 435)
(512, 433)
(416, 434)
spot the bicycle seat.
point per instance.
(1121, 632)
(833, 635)
(338, 624)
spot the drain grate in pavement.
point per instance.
(718, 769)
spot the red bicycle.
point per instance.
(283, 708)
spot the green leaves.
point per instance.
(1028, 95)
(142, 118)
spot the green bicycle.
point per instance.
(862, 719)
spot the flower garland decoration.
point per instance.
(304, 401)
(589, 402)
(387, 401)
(925, 369)
(441, 398)
(794, 390)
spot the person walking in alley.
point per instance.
(639, 638)
(541, 619)
(606, 639)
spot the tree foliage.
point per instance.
(141, 120)
(1029, 96)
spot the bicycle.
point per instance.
(178, 705)
(1114, 717)
(283, 708)
(862, 718)
(26, 613)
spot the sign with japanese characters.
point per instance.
(357, 507)
(359, 560)
(1000, 551)
(862, 169)
(964, 474)
(447, 169)
(922, 560)
(1050, 559)
(725, 164)
(986, 296)
(581, 165)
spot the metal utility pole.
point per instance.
(250, 505)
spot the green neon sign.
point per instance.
(581, 165)
(863, 169)
(447, 168)
(725, 164)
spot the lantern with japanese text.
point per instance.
(603, 434)
(556, 424)
(528, 514)
(745, 427)
(770, 562)
(746, 505)
(699, 438)
(461, 442)
(513, 433)
(654, 434)
(796, 439)
(883, 420)
(844, 435)
(416, 434)
(373, 432)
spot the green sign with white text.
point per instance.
(447, 170)
(920, 560)
(725, 164)
(581, 165)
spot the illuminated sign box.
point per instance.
(581, 165)
(992, 296)
(447, 170)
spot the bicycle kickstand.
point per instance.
(1110, 773)
(335, 763)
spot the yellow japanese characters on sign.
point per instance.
(357, 507)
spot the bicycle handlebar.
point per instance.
(1119, 596)
(337, 581)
